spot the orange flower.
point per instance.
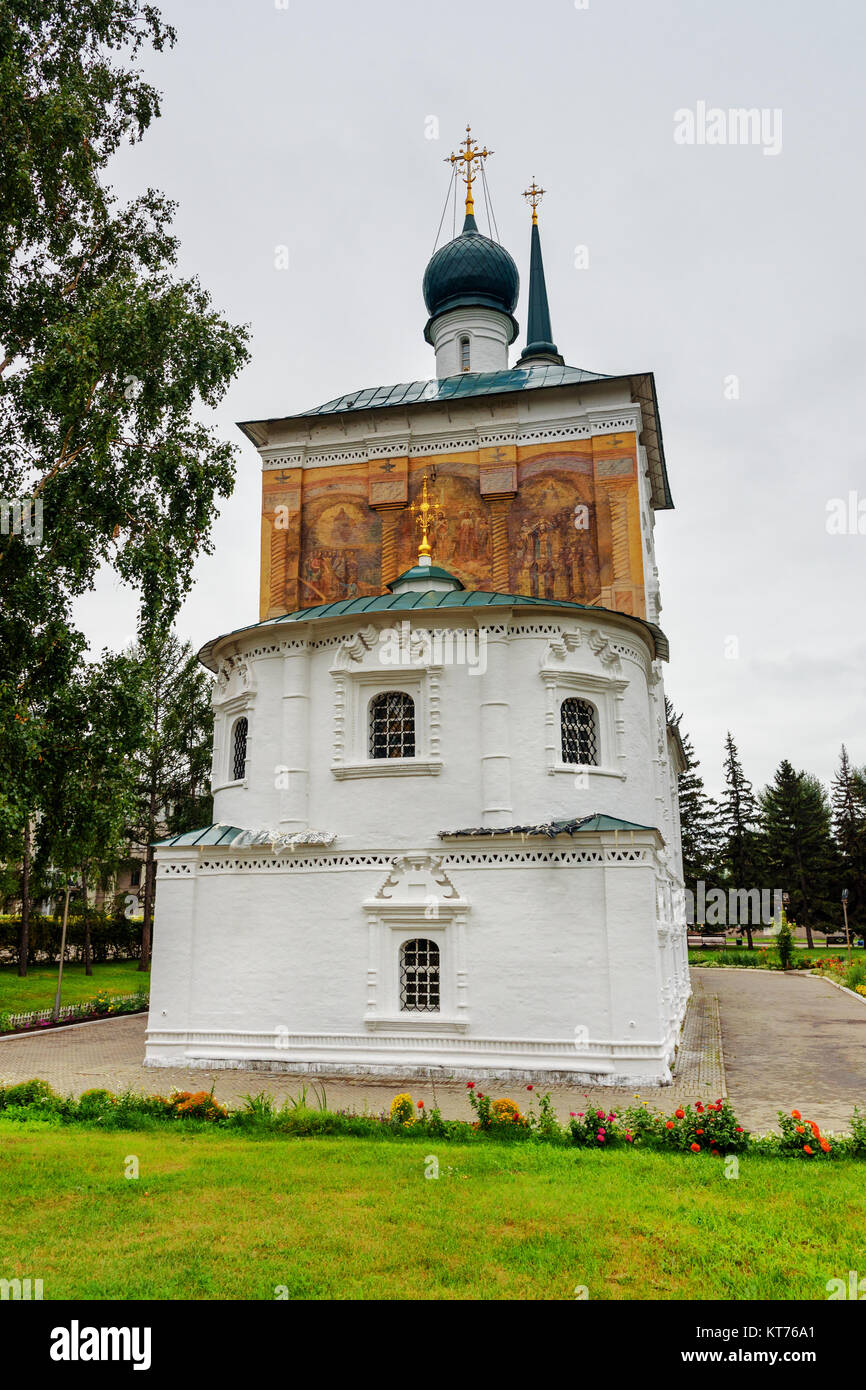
(699, 1131)
(800, 1129)
(815, 1130)
(807, 1150)
(825, 1146)
(669, 1124)
(696, 1148)
(680, 1114)
(795, 1114)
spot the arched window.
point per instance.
(239, 749)
(419, 976)
(392, 725)
(464, 354)
(579, 732)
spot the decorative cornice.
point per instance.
(591, 423)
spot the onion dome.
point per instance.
(471, 270)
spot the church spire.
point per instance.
(539, 335)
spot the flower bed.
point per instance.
(705, 1128)
(102, 1005)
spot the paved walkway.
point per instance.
(789, 1041)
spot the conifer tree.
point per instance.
(799, 850)
(738, 819)
(849, 828)
(699, 818)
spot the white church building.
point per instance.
(446, 837)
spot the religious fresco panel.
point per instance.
(558, 520)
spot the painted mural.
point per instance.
(549, 521)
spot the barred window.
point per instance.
(392, 725)
(419, 976)
(579, 732)
(239, 749)
(464, 354)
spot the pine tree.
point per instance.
(699, 818)
(800, 854)
(849, 828)
(738, 820)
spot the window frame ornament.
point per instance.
(606, 694)
(416, 900)
(233, 698)
(354, 691)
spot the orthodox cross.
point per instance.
(470, 157)
(535, 195)
(283, 477)
(421, 513)
(387, 467)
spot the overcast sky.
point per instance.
(306, 125)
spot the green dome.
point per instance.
(472, 270)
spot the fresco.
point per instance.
(559, 520)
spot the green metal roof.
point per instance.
(429, 599)
(210, 835)
(449, 388)
(582, 825)
(427, 572)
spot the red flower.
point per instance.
(795, 1115)
(716, 1153)
(699, 1108)
(696, 1148)
(420, 1105)
(800, 1129)
(529, 1088)
(680, 1114)
(807, 1150)
(825, 1146)
(669, 1124)
(815, 1130)
(739, 1129)
(699, 1131)
(470, 1085)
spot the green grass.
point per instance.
(36, 990)
(216, 1216)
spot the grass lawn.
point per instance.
(37, 990)
(216, 1216)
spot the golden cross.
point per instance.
(534, 194)
(470, 158)
(423, 520)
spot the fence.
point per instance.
(70, 1013)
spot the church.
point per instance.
(446, 838)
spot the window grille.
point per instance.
(579, 732)
(464, 354)
(239, 750)
(419, 976)
(392, 725)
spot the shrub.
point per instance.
(785, 946)
(594, 1129)
(401, 1109)
(36, 1093)
(506, 1112)
(94, 1104)
(197, 1105)
(803, 1138)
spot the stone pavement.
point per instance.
(788, 1040)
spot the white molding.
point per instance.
(389, 767)
(548, 430)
